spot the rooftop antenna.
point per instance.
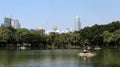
(11, 16)
(4, 14)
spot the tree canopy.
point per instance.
(96, 35)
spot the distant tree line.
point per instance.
(97, 35)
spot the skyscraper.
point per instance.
(15, 23)
(77, 23)
(9, 22)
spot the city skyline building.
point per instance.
(77, 23)
(7, 22)
(15, 23)
(10, 22)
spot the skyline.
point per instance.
(60, 13)
(77, 24)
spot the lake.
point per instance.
(59, 58)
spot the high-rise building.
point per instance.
(9, 22)
(77, 23)
(15, 23)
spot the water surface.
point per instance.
(58, 58)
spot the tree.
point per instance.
(4, 36)
(116, 37)
(53, 39)
(107, 37)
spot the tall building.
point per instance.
(15, 23)
(9, 22)
(77, 23)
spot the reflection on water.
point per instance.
(58, 58)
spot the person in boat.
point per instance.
(84, 51)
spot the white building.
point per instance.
(15, 23)
(77, 23)
(67, 30)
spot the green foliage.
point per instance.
(93, 34)
(4, 34)
(97, 35)
(107, 37)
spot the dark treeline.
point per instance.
(97, 35)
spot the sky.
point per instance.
(61, 13)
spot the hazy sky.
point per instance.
(60, 13)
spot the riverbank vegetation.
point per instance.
(96, 35)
